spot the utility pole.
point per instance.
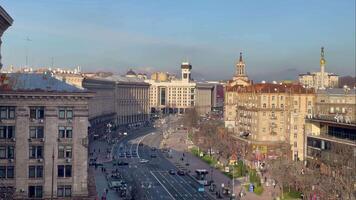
(27, 42)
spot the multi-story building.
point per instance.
(5, 22)
(121, 100)
(330, 135)
(274, 113)
(320, 80)
(177, 95)
(240, 79)
(43, 138)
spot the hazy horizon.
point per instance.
(279, 40)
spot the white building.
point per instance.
(178, 95)
(320, 80)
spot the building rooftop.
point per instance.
(6, 16)
(274, 88)
(24, 82)
(337, 91)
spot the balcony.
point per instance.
(333, 119)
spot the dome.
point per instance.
(131, 73)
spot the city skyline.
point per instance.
(159, 36)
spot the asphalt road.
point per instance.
(151, 180)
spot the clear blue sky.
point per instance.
(279, 38)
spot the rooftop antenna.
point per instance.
(27, 39)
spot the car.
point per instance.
(172, 172)
(122, 155)
(180, 172)
(125, 133)
(128, 155)
(153, 148)
(153, 156)
(143, 161)
(121, 163)
(141, 144)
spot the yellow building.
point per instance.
(274, 113)
(320, 80)
(240, 79)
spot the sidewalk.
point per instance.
(196, 163)
(102, 156)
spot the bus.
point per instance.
(200, 175)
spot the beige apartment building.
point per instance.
(274, 113)
(322, 79)
(121, 100)
(43, 138)
(240, 79)
(177, 95)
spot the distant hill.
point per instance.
(347, 80)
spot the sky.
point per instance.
(279, 39)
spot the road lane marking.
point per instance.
(174, 180)
(138, 144)
(162, 185)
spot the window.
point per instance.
(64, 151)
(64, 191)
(272, 98)
(2, 171)
(282, 106)
(295, 102)
(264, 105)
(65, 113)
(35, 191)
(65, 132)
(7, 132)
(36, 112)
(2, 152)
(7, 112)
(36, 132)
(64, 171)
(273, 106)
(35, 171)
(7, 152)
(36, 152)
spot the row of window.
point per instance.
(8, 112)
(37, 191)
(35, 171)
(8, 132)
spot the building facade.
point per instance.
(274, 113)
(43, 138)
(177, 95)
(322, 79)
(121, 100)
(330, 135)
(5, 22)
(240, 79)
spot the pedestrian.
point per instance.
(107, 190)
(265, 179)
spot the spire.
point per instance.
(241, 57)
(322, 59)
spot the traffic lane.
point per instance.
(150, 186)
(182, 186)
(169, 188)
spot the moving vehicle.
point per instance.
(200, 176)
(143, 161)
(172, 172)
(180, 172)
(153, 156)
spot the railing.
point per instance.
(333, 118)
